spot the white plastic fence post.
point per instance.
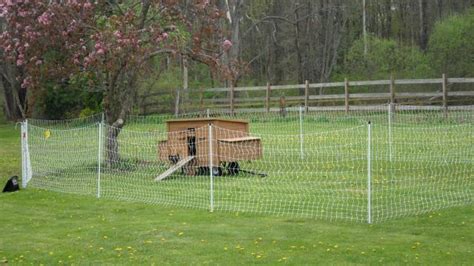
(99, 157)
(29, 171)
(301, 133)
(23, 155)
(369, 174)
(211, 177)
(390, 106)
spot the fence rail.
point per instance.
(304, 94)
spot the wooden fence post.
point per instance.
(306, 96)
(445, 95)
(392, 94)
(346, 94)
(267, 99)
(282, 106)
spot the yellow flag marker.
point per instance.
(47, 134)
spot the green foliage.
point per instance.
(70, 99)
(87, 112)
(451, 45)
(383, 58)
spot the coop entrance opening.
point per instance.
(191, 141)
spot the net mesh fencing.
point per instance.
(325, 163)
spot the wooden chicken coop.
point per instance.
(188, 146)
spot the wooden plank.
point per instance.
(461, 93)
(370, 83)
(460, 80)
(418, 94)
(174, 168)
(286, 87)
(327, 97)
(366, 96)
(326, 85)
(417, 81)
(258, 88)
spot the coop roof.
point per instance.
(205, 119)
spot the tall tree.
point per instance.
(112, 42)
(423, 24)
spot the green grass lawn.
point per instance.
(45, 227)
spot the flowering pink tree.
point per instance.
(110, 42)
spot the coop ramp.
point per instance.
(173, 168)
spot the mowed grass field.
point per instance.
(46, 227)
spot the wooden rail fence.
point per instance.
(300, 94)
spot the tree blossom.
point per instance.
(226, 45)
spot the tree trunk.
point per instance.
(14, 95)
(185, 94)
(423, 25)
(299, 61)
(112, 146)
(117, 105)
(364, 26)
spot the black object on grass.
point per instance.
(12, 185)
